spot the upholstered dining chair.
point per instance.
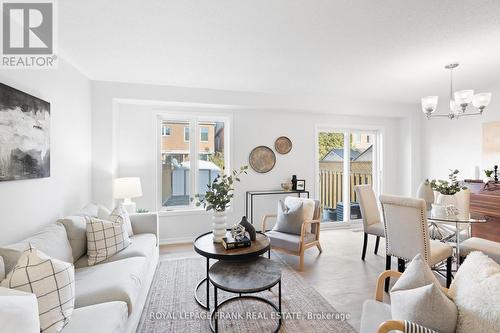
(407, 234)
(309, 233)
(372, 222)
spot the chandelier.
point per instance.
(459, 101)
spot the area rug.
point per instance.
(171, 307)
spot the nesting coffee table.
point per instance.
(245, 277)
(205, 246)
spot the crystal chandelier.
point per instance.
(459, 101)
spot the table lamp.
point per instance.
(127, 188)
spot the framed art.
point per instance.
(301, 185)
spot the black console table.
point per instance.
(252, 194)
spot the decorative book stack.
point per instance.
(230, 243)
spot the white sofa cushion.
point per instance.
(417, 297)
(476, 290)
(109, 317)
(76, 230)
(18, 312)
(488, 247)
(114, 281)
(53, 283)
(374, 314)
(93, 210)
(142, 245)
(120, 215)
(51, 240)
(104, 239)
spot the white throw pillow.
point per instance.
(120, 215)
(104, 239)
(308, 206)
(18, 312)
(53, 283)
(417, 297)
(289, 218)
(476, 292)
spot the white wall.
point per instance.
(457, 144)
(124, 142)
(26, 205)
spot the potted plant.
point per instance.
(489, 176)
(447, 189)
(217, 199)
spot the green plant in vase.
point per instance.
(217, 199)
(447, 188)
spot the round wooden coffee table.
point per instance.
(245, 277)
(205, 246)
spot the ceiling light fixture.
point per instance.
(459, 101)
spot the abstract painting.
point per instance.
(24, 135)
(491, 144)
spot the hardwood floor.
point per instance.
(338, 273)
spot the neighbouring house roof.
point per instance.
(337, 155)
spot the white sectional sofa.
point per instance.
(109, 296)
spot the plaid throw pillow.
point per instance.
(120, 215)
(104, 239)
(53, 283)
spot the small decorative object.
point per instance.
(287, 186)
(230, 243)
(425, 192)
(451, 211)
(460, 101)
(447, 189)
(250, 229)
(489, 176)
(262, 159)
(294, 183)
(283, 145)
(238, 231)
(438, 211)
(24, 135)
(217, 198)
(301, 185)
(126, 189)
(142, 210)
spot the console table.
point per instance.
(251, 194)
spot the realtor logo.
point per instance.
(28, 34)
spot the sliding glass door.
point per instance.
(346, 158)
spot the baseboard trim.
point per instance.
(176, 240)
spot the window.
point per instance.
(346, 158)
(204, 134)
(183, 175)
(165, 130)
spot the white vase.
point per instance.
(446, 200)
(219, 223)
(425, 192)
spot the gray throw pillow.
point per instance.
(289, 219)
(417, 297)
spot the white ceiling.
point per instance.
(385, 49)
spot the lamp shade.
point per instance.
(128, 187)
(464, 96)
(429, 104)
(481, 100)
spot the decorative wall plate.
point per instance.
(262, 159)
(283, 145)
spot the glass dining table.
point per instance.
(451, 228)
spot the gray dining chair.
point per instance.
(372, 223)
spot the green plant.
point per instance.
(220, 192)
(488, 173)
(448, 187)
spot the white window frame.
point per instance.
(194, 119)
(377, 164)
(163, 133)
(208, 133)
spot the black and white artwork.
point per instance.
(24, 135)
